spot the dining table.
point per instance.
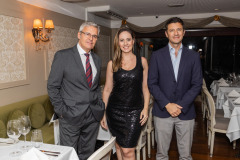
(219, 91)
(233, 131)
(231, 109)
(215, 87)
(53, 152)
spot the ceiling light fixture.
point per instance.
(111, 13)
(106, 12)
(176, 5)
(74, 1)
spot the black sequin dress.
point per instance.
(125, 105)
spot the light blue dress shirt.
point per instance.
(175, 59)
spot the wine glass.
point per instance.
(25, 127)
(13, 132)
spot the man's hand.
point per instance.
(173, 109)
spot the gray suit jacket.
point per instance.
(68, 88)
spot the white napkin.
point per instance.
(237, 101)
(223, 84)
(34, 154)
(226, 103)
(6, 140)
(221, 80)
(227, 112)
(233, 93)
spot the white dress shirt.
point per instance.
(83, 58)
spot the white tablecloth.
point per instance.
(103, 135)
(67, 153)
(233, 131)
(219, 92)
(220, 95)
(214, 87)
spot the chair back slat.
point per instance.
(210, 106)
(150, 117)
(204, 83)
(104, 150)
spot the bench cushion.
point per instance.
(3, 130)
(37, 115)
(15, 115)
(49, 109)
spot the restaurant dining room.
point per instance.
(46, 99)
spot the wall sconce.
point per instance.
(150, 47)
(38, 32)
(141, 44)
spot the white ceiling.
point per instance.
(139, 8)
(136, 8)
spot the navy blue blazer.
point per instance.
(165, 89)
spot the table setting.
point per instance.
(216, 84)
(228, 99)
(233, 94)
(231, 109)
(13, 149)
(6, 141)
(219, 87)
(233, 80)
(43, 152)
(237, 101)
(233, 99)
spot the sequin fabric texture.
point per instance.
(125, 105)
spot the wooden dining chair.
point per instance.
(141, 145)
(218, 113)
(215, 124)
(203, 103)
(204, 83)
(103, 151)
(150, 130)
(203, 98)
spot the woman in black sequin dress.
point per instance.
(126, 95)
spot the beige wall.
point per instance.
(35, 59)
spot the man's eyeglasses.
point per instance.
(89, 35)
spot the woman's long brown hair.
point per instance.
(117, 59)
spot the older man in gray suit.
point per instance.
(73, 88)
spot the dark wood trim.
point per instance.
(201, 32)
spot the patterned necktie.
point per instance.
(88, 70)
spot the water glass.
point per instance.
(13, 132)
(37, 138)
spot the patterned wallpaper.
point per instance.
(61, 38)
(102, 48)
(12, 53)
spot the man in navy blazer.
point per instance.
(174, 80)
